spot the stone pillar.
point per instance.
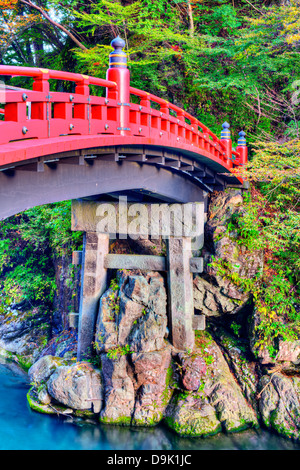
(180, 287)
(93, 285)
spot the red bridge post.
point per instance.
(226, 139)
(119, 73)
(242, 148)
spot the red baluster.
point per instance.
(40, 110)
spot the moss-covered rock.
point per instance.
(42, 369)
(77, 386)
(279, 403)
(216, 295)
(24, 334)
(35, 404)
(190, 415)
(219, 402)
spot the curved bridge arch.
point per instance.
(109, 173)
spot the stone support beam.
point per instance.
(142, 262)
(93, 285)
(180, 289)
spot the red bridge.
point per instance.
(57, 145)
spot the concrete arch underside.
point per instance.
(101, 174)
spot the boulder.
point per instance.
(279, 403)
(233, 410)
(77, 387)
(23, 334)
(149, 331)
(193, 370)
(153, 372)
(41, 370)
(217, 404)
(130, 338)
(119, 395)
(242, 364)
(137, 289)
(288, 352)
(43, 396)
(192, 416)
(135, 315)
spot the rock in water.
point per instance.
(153, 372)
(135, 357)
(77, 387)
(279, 403)
(119, 394)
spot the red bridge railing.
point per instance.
(42, 114)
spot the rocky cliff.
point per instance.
(137, 378)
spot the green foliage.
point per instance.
(269, 222)
(119, 351)
(212, 19)
(235, 328)
(29, 244)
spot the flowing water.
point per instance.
(23, 429)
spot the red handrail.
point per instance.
(177, 110)
(40, 114)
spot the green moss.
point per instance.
(149, 421)
(233, 427)
(83, 413)
(121, 421)
(191, 431)
(167, 393)
(35, 405)
(6, 354)
(24, 361)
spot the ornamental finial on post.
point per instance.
(242, 149)
(118, 58)
(225, 134)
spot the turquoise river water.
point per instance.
(23, 429)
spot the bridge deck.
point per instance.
(40, 128)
